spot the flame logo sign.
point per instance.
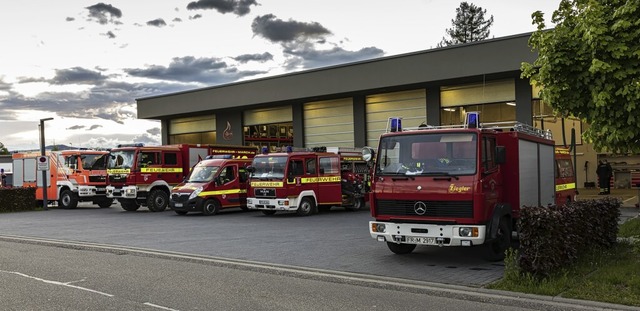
(227, 134)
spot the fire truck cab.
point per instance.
(307, 181)
(215, 183)
(458, 185)
(73, 176)
(566, 190)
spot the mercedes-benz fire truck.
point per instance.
(73, 176)
(141, 175)
(458, 185)
(307, 181)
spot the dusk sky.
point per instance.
(84, 63)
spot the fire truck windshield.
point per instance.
(428, 154)
(93, 161)
(121, 159)
(202, 173)
(269, 167)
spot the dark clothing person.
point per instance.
(604, 172)
(3, 181)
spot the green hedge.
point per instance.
(17, 199)
(553, 237)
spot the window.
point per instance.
(148, 158)
(227, 174)
(488, 153)
(329, 165)
(296, 167)
(171, 158)
(311, 166)
(564, 168)
(242, 173)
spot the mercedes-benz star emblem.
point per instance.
(420, 208)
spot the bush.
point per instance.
(17, 199)
(553, 237)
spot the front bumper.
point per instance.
(272, 204)
(91, 191)
(126, 192)
(427, 234)
(182, 203)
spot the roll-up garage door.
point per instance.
(329, 123)
(269, 115)
(410, 105)
(197, 124)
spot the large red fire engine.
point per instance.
(73, 176)
(141, 175)
(458, 186)
(565, 177)
(307, 181)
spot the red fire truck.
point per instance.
(458, 186)
(215, 183)
(73, 176)
(141, 175)
(307, 181)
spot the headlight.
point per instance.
(130, 191)
(376, 227)
(468, 231)
(195, 193)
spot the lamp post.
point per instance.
(44, 172)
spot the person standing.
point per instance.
(604, 172)
(3, 181)
(609, 174)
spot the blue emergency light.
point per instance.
(396, 124)
(472, 120)
(289, 149)
(265, 150)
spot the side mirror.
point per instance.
(501, 155)
(251, 169)
(368, 153)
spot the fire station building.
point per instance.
(349, 105)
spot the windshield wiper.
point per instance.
(447, 175)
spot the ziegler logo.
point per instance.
(458, 189)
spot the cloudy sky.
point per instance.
(85, 62)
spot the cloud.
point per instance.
(238, 7)
(95, 126)
(110, 35)
(245, 58)
(154, 131)
(195, 16)
(77, 75)
(158, 22)
(306, 56)
(104, 13)
(277, 30)
(146, 139)
(190, 69)
(69, 19)
(75, 127)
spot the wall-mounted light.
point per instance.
(511, 103)
(450, 109)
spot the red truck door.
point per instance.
(299, 178)
(329, 180)
(230, 187)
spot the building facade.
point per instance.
(349, 105)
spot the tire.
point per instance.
(306, 207)
(357, 205)
(129, 205)
(105, 203)
(401, 249)
(68, 199)
(210, 207)
(244, 208)
(495, 250)
(181, 213)
(268, 212)
(157, 201)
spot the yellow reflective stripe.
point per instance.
(119, 171)
(309, 180)
(565, 186)
(276, 184)
(161, 170)
(221, 192)
(352, 159)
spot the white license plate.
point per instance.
(178, 205)
(420, 240)
(263, 201)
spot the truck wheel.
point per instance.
(268, 212)
(244, 208)
(68, 199)
(357, 205)
(210, 207)
(495, 250)
(306, 207)
(157, 200)
(182, 213)
(129, 205)
(401, 249)
(105, 203)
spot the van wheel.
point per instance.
(129, 205)
(401, 249)
(105, 203)
(306, 207)
(495, 250)
(157, 200)
(68, 199)
(210, 207)
(357, 205)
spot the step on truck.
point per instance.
(218, 182)
(73, 176)
(306, 181)
(140, 175)
(458, 185)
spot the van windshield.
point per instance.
(201, 174)
(428, 154)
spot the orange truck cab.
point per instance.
(73, 176)
(215, 183)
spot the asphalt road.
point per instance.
(337, 240)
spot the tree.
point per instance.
(589, 67)
(3, 149)
(469, 25)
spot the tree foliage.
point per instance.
(468, 26)
(3, 149)
(589, 68)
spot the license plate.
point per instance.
(178, 205)
(420, 240)
(263, 201)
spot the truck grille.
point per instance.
(180, 198)
(453, 209)
(117, 178)
(97, 178)
(264, 192)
